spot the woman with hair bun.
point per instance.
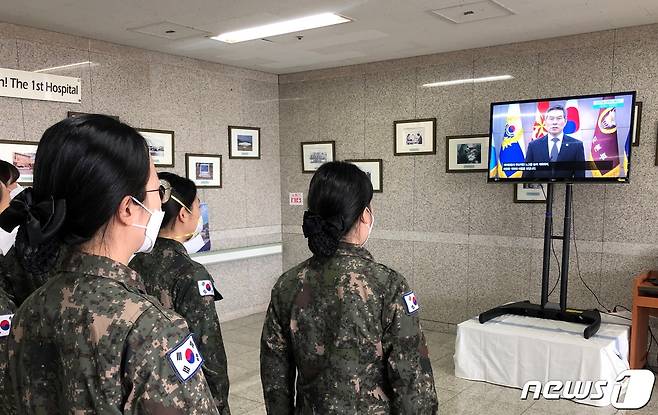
(90, 340)
(14, 280)
(185, 286)
(8, 176)
(342, 332)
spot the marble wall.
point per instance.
(462, 243)
(196, 99)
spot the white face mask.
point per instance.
(372, 222)
(194, 245)
(7, 240)
(17, 190)
(196, 242)
(152, 228)
(198, 229)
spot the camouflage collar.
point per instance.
(82, 263)
(166, 243)
(347, 249)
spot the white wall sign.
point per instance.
(45, 87)
(296, 199)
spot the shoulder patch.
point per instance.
(5, 324)
(185, 359)
(410, 302)
(206, 287)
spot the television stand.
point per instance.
(590, 318)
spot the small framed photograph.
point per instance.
(529, 193)
(73, 114)
(467, 153)
(243, 142)
(373, 168)
(205, 170)
(161, 146)
(414, 137)
(315, 154)
(21, 154)
(637, 120)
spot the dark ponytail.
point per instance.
(338, 194)
(84, 167)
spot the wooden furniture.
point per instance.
(643, 307)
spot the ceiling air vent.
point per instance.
(168, 30)
(473, 12)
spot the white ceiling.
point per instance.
(382, 29)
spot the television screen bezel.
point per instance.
(560, 180)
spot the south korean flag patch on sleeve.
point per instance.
(206, 288)
(185, 359)
(410, 302)
(5, 324)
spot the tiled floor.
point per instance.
(456, 396)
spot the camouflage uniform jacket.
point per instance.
(7, 309)
(90, 341)
(342, 327)
(171, 276)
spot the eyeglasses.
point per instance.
(164, 190)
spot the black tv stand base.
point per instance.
(591, 318)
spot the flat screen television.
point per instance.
(569, 139)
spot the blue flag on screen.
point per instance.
(510, 149)
(493, 162)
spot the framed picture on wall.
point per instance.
(315, 154)
(637, 121)
(243, 142)
(71, 114)
(205, 170)
(21, 154)
(467, 153)
(161, 146)
(529, 193)
(374, 169)
(414, 137)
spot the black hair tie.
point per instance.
(40, 221)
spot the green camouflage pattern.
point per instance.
(7, 307)
(90, 341)
(340, 327)
(171, 276)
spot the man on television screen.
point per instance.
(565, 154)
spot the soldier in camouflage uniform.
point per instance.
(343, 327)
(113, 341)
(15, 280)
(90, 341)
(7, 309)
(8, 176)
(185, 286)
